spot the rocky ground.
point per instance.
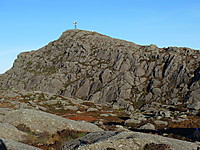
(49, 121)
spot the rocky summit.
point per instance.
(90, 91)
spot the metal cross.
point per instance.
(75, 25)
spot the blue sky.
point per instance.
(30, 24)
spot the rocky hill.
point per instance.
(61, 97)
(100, 69)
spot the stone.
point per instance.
(130, 108)
(148, 126)
(74, 108)
(40, 122)
(140, 72)
(159, 117)
(120, 128)
(104, 115)
(107, 115)
(92, 109)
(195, 105)
(132, 121)
(153, 47)
(50, 102)
(184, 116)
(174, 101)
(41, 108)
(113, 115)
(138, 116)
(148, 97)
(98, 123)
(75, 101)
(164, 113)
(159, 122)
(156, 91)
(84, 89)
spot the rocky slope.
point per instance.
(97, 68)
(53, 122)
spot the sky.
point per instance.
(27, 25)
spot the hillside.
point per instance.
(98, 68)
(90, 91)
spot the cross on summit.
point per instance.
(75, 24)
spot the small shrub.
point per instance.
(154, 146)
(24, 128)
(110, 148)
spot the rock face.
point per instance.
(97, 68)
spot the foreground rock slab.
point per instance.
(125, 140)
(42, 122)
(13, 145)
(11, 132)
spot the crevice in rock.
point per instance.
(168, 61)
(196, 77)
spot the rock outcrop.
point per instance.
(125, 141)
(40, 122)
(97, 68)
(14, 145)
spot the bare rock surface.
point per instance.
(125, 140)
(14, 145)
(9, 131)
(40, 122)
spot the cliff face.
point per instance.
(101, 69)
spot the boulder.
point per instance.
(130, 109)
(140, 71)
(74, 108)
(159, 122)
(92, 109)
(195, 105)
(148, 126)
(138, 116)
(184, 116)
(132, 121)
(107, 115)
(40, 122)
(156, 91)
